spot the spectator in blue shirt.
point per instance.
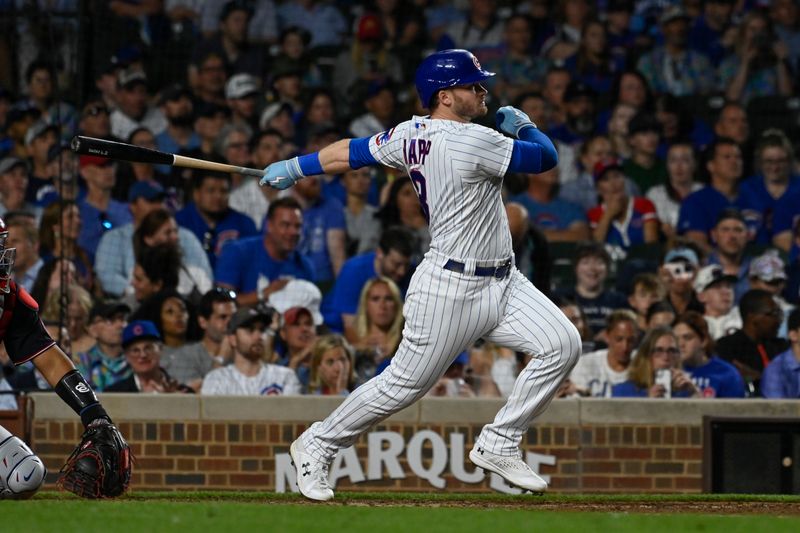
(658, 351)
(114, 260)
(781, 378)
(324, 22)
(324, 229)
(176, 104)
(99, 212)
(210, 217)
(256, 267)
(712, 376)
(558, 219)
(700, 210)
(391, 259)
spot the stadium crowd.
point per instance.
(669, 233)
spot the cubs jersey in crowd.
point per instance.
(455, 167)
(630, 231)
(717, 379)
(271, 380)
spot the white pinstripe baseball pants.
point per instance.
(446, 312)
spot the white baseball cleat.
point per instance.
(511, 468)
(312, 475)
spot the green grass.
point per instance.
(251, 512)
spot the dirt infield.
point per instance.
(715, 504)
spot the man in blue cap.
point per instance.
(141, 344)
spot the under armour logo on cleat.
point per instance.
(306, 471)
(480, 451)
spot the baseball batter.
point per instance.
(467, 287)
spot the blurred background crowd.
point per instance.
(668, 233)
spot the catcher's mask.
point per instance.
(7, 256)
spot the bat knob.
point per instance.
(75, 144)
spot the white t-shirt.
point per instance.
(723, 325)
(595, 375)
(271, 380)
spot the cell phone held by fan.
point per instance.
(664, 378)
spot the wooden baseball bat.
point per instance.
(137, 154)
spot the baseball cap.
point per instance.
(673, 13)
(768, 267)
(709, 276)
(139, 330)
(108, 309)
(174, 92)
(245, 316)
(127, 78)
(643, 122)
(461, 359)
(576, 89)
(95, 160)
(298, 293)
(241, 86)
(272, 111)
(603, 166)
(38, 129)
(293, 314)
(682, 254)
(148, 190)
(9, 163)
(369, 28)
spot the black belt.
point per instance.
(498, 272)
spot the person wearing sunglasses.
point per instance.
(678, 272)
(99, 212)
(95, 119)
(655, 371)
(753, 347)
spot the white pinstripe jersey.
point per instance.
(457, 169)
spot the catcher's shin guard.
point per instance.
(21, 472)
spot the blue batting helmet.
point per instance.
(447, 68)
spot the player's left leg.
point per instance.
(21, 472)
(532, 324)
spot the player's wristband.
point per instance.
(76, 392)
(310, 165)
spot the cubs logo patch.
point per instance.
(477, 64)
(272, 390)
(384, 137)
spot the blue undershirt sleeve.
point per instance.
(534, 152)
(360, 156)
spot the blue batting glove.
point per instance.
(511, 121)
(282, 174)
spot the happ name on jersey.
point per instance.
(415, 151)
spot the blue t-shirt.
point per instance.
(244, 261)
(166, 143)
(781, 378)
(234, 225)
(326, 214)
(94, 223)
(343, 297)
(629, 389)
(556, 214)
(787, 211)
(756, 200)
(335, 189)
(699, 211)
(717, 379)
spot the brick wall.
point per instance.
(241, 455)
(583, 445)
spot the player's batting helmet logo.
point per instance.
(447, 68)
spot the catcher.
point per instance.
(100, 466)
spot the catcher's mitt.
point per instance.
(100, 466)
